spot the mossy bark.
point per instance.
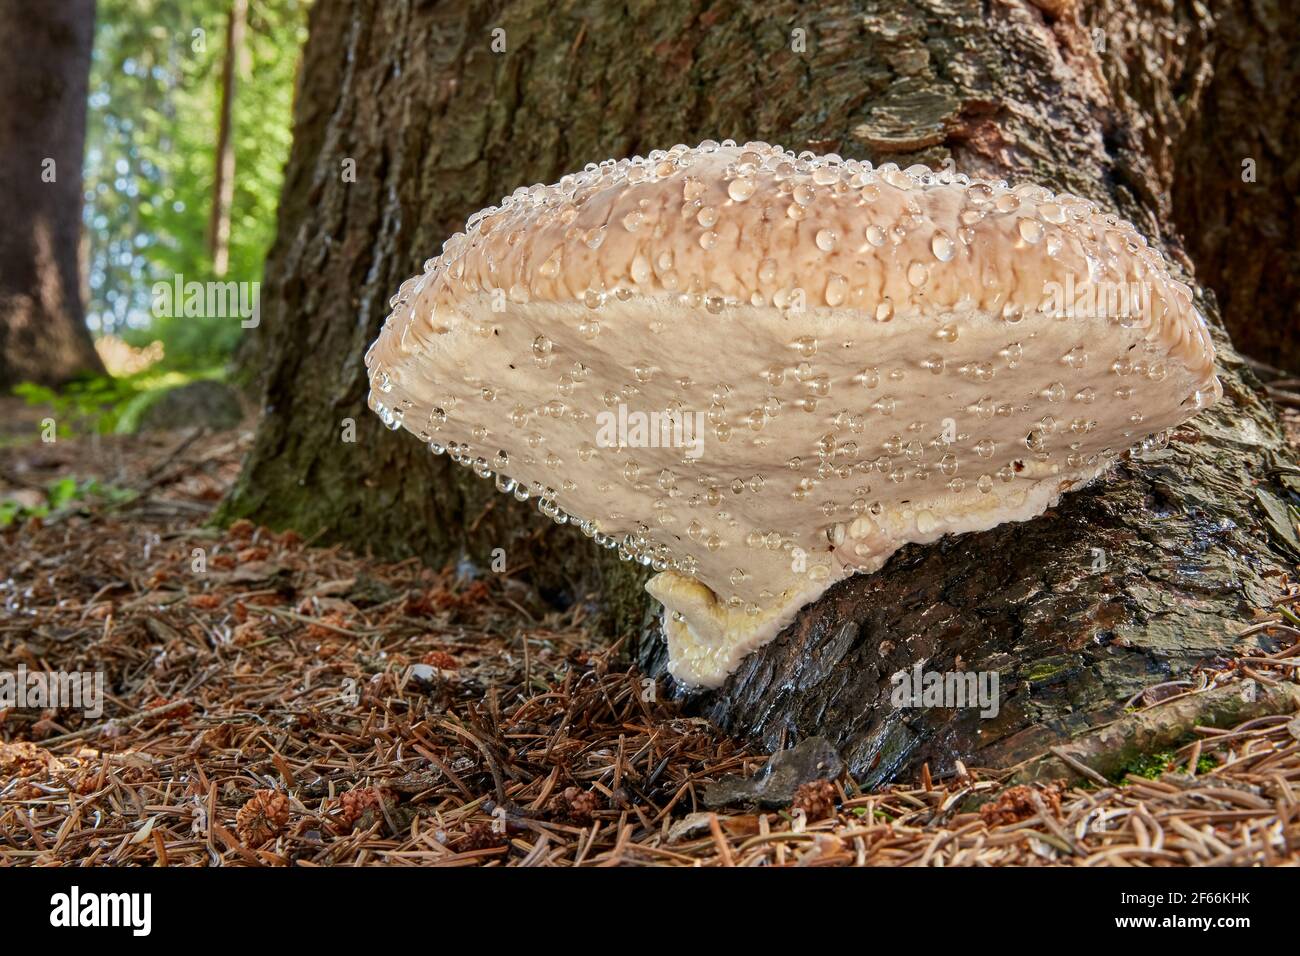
(436, 123)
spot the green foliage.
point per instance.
(83, 405)
(1153, 765)
(878, 815)
(1150, 766)
(105, 404)
(189, 344)
(64, 494)
(152, 128)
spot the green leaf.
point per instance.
(60, 492)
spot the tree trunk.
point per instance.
(1236, 190)
(44, 77)
(408, 121)
(223, 179)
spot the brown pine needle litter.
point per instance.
(298, 705)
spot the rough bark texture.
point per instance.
(44, 76)
(438, 126)
(1129, 583)
(1242, 106)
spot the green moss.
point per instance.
(1153, 765)
(1150, 766)
(1047, 669)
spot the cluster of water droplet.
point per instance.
(866, 431)
(797, 187)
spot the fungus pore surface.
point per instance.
(760, 372)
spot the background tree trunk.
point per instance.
(435, 126)
(223, 179)
(43, 336)
(1243, 121)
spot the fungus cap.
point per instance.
(760, 372)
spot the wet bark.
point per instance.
(436, 125)
(44, 76)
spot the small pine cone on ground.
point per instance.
(481, 836)
(217, 737)
(262, 818)
(441, 660)
(354, 804)
(247, 633)
(24, 759)
(182, 709)
(575, 805)
(1017, 803)
(86, 781)
(326, 627)
(816, 799)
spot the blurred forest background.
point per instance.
(188, 124)
(152, 152)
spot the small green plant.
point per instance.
(103, 404)
(83, 405)
(64, 494)
(878, 815)
(1152, 765)
(11, 511)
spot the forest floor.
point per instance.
(269, 702)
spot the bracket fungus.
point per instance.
(759, 372)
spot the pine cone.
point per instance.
(317, 632)
(481, 836)
(354, 804)
(247, 633)
(1017, 803)
(816, 799)
(575, 805)
(441, 660)
(262, 817)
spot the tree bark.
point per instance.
(1236, 189)
(437, 125)
(44, 78)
